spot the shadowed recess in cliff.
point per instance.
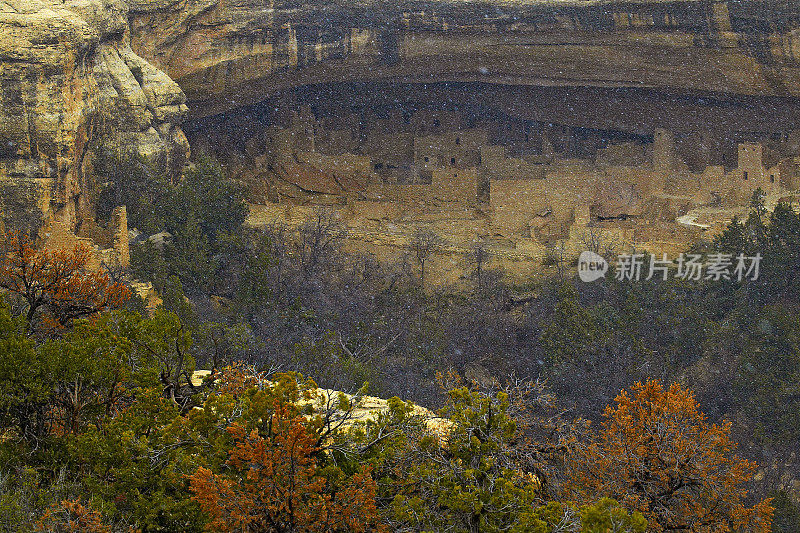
(226, 57)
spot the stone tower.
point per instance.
(119, 225)
(663, 151)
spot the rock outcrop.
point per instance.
(227, 53)
(78, 76)
(70, 86)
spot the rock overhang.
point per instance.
(225, 57)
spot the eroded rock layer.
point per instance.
(228, 53)
(80, 76)
(70, 86)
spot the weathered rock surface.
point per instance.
(79, 75)
(70, 85)
(226, 53)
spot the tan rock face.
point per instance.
(228, 53)
(70, 86)
(80, 75)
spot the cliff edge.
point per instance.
(226, 53)
(81, 76)
(70, 86)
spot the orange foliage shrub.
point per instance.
(54, 287)
(657, 454)
(70, 516)
(275, 486)
(237, 378)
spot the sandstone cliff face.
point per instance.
(80, 75)
(71, 85)
(227, 53)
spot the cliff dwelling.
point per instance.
(520, 168)
(569, 228)
(521, 127)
